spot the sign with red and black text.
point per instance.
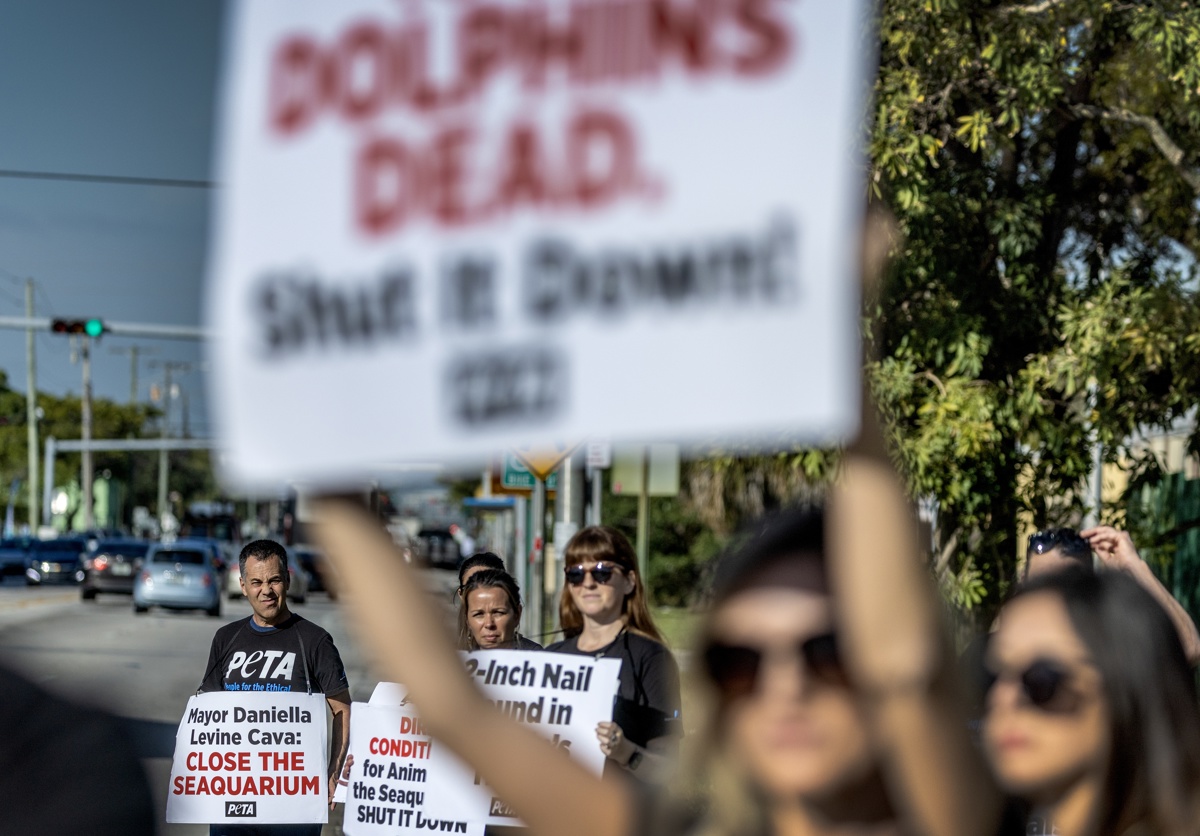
(251, 758)
(449, 227)
(403, 781)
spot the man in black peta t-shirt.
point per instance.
(276, 650)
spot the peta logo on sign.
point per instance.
(269, 664)
(241, 809)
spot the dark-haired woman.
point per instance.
(490, 613)
(828, 709)
(603, 613)
(1092, 723)
(477, 562)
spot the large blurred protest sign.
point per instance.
(403, 781)
(251, 758)
(450, 228)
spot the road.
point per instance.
(143, 668)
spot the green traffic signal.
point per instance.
(93, 327)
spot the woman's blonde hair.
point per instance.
(601, 543)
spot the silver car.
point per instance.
(178, 577)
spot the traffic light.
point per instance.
(90, 327)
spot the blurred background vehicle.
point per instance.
(438, 547)
(312, 561)
(56, 561)
(111, 566)
(298, 580)
(14, 555)
(178, 577)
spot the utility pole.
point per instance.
(89, 520)
(168, 367)
(134, 352)
(31, 427)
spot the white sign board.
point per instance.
(450, 228)
(402, 781)
(251, 758)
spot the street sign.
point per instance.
(599, 454)
(446, 229)
(543, 461)
(517, 475)
(664, 470)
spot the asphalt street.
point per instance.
(143, 668)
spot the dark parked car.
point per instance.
(312, 561)
(56, 561)
(111, 566)
(439, 548)
(14, 555)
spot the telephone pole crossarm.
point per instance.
(117, 329)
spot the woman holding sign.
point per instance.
(831, 705)
(603, 614)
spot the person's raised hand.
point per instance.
(1114, 548)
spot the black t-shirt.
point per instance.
(647, 704)
(295, 656)
(65, 768)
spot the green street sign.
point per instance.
(517, 477)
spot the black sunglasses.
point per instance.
(1044, 684)
(734, 669)
(601, 573)
(1052, 538)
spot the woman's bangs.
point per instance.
(591, 547)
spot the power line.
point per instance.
(109, 179)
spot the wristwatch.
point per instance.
(634, 759)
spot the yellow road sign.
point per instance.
(544, 460)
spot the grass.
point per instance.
(679, 625)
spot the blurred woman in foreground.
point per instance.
(490, 612)
(603, 614)
(1092, 723)
(833, 709)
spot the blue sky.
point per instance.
(119, 87)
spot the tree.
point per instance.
(1038, 157)
(191, 471)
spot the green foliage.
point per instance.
(1037, 156)
(191, 471)
(1042, 298)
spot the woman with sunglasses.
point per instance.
(1091, 721)
(490, 612)
(603, 614)
(831, 706)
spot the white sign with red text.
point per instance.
(403, 781)
(251, 758)
(448, 228)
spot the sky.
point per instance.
(119, 88)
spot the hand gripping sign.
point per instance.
(402, 781)
(251, 758)
(533, 213)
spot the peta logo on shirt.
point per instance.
(260, 665)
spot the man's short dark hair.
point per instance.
(263, 550)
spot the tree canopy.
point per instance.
(1040, 158)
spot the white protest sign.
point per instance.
(562, 697)
(450, 228)
(250, 758)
